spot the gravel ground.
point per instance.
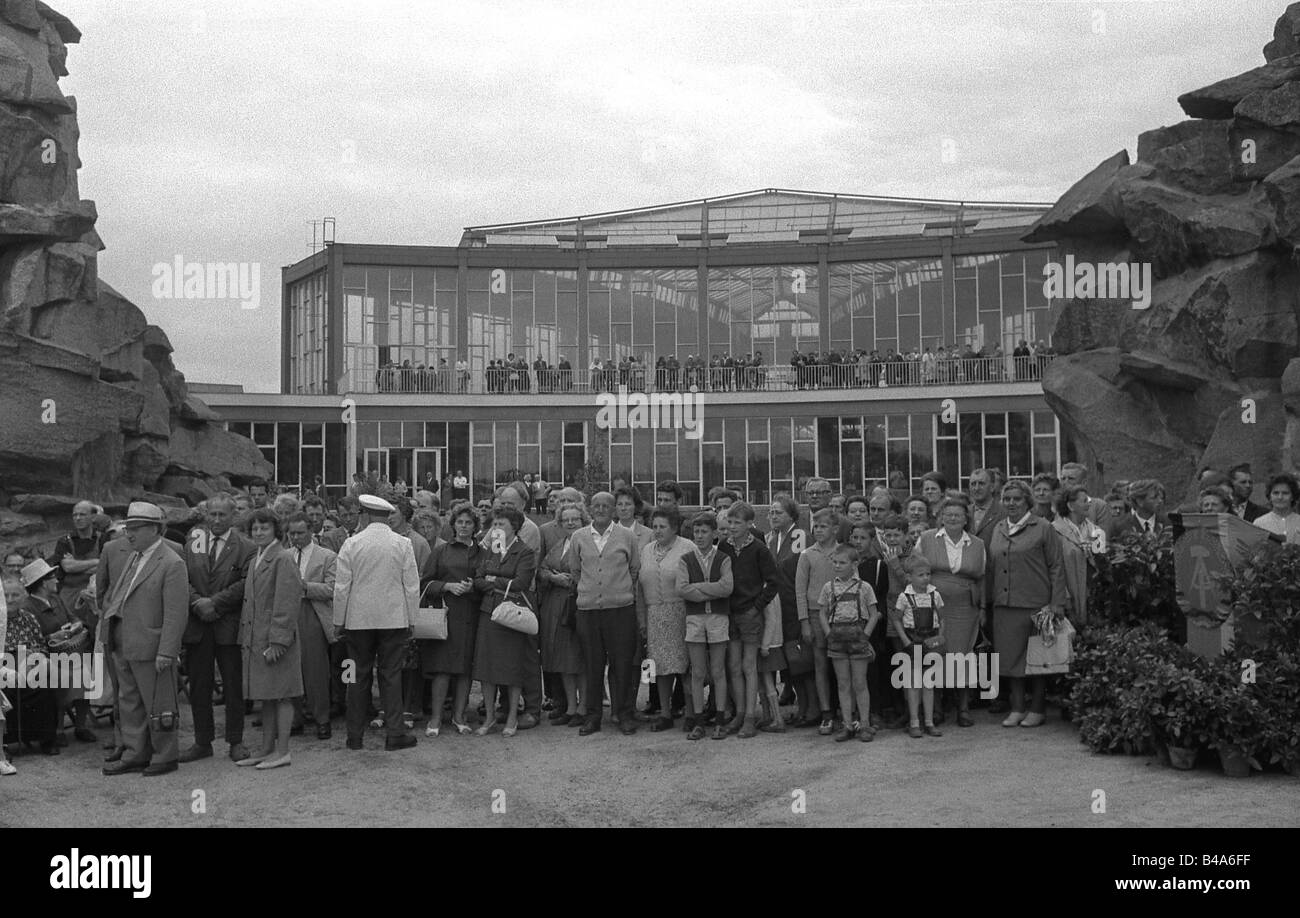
(549, 776)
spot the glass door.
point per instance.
(377, 464)
(428, 469)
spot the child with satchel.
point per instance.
(918, 621)
(847, 613)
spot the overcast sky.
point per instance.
(215, 130)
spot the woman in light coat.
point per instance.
(268, 635)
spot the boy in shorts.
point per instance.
(704, 582)
(847, 615)
(753, 571)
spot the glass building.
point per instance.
(408, 337)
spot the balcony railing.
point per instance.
(780, 378)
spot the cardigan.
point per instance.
(606, 580)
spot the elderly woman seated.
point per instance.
(35, 714)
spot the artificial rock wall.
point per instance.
(1213, 205)
(91, 405)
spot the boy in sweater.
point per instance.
(754, 575)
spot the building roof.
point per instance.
(770, 215)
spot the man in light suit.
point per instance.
(217, 559)
(376, 591)
(145, 617)
(316, 565)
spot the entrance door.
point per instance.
(377, 464)
(428, 462)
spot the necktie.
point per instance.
(120, 588)
(299, 558)
(214, 551)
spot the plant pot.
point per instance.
(1160, 743)
(1182, 759)
(1235, 765)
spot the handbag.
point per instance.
(430, 621)
(514, 616)
(1051, 646)
(165, 721)
(73, 640)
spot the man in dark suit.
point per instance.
(348, 509)
(985, 506)
(316, 566)
(217, 558)
(1243, 485)
(1144, 499)
(145, 617)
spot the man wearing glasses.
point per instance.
(819, 493)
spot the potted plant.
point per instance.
(1238, 729)
(1181, 712)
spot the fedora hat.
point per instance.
(36, 571)
(140, 512)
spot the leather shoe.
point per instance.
(394, 743)
(590, 727)
(115, 755)
(238, 752)
(85, 735)
(526, 722)
(196, 752)
(324, 731)
(121, 768)
(628, 726)
(354, 742)
(159, 768)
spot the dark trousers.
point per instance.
(338, 691)
(532, 687)
(388, 647)
(609, 634)
(315, 651)
(199, 660)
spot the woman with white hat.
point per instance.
(60, 629)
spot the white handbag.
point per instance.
(430, 621)
(514, 616)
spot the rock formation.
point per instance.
(1209, 373)
(90, 403)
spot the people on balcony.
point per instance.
(726, 372)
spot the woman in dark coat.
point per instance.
(502, 656)
(451, 571)
(557, 598)
(268, 635)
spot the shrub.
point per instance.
(1135, 583)
(1113, 685)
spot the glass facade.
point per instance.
(308, 333)
(527, 312)
(757, 457)
(412, 315)
(398, 315)
(301, 450)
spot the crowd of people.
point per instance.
(740, 630)
(726, 372)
